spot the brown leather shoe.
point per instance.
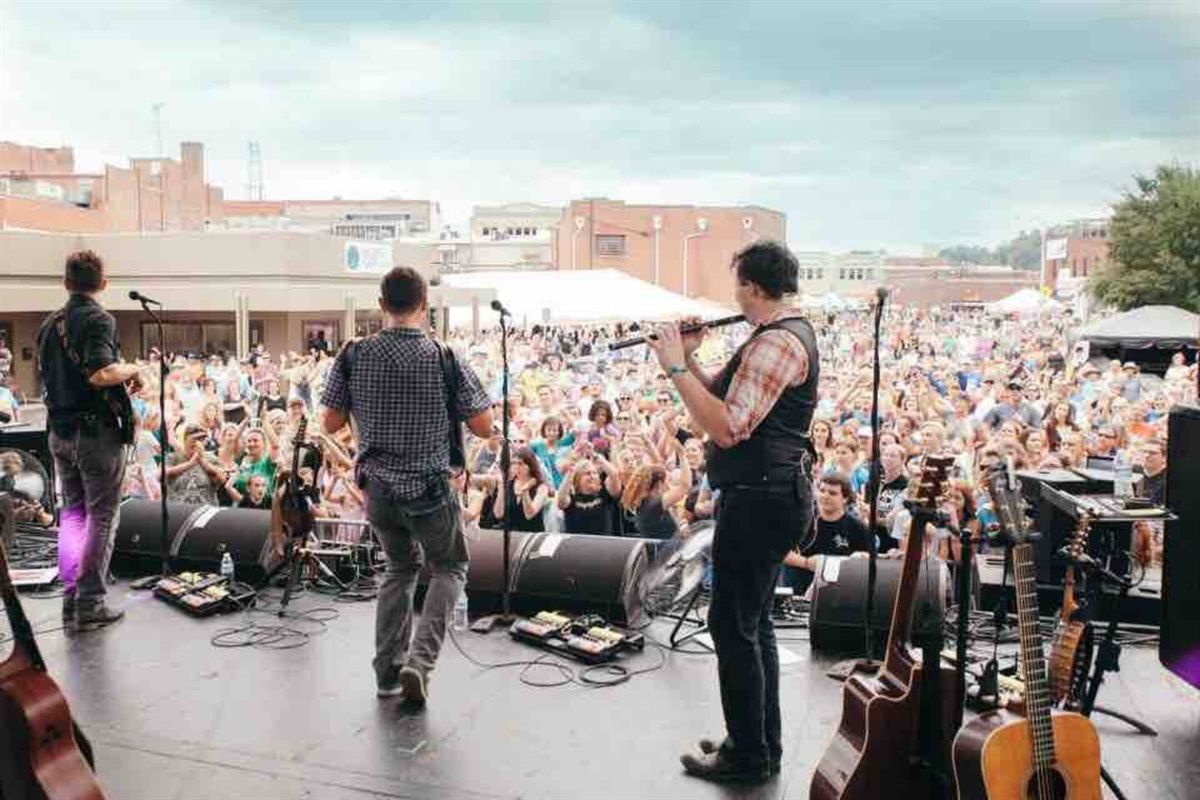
(712, 745)
(720, 768)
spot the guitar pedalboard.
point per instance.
(588, 638)
(201, 594)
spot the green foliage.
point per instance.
(1022, 252)
(1154, 240)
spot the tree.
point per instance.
(1154, 243)
(1023, 252)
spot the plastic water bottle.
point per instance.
(1123, 480)
(459, 620)
(227, 566)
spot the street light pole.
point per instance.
(658, 223)
(702, 224)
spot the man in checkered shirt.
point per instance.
(757, 412)
(393, 386)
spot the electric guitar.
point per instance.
(1046, 755)
(43, 755)
(1071, 651)
(874, 752)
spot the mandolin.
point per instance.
(1047, 754)
(43, 756)
(1071, 650)
(874, 753)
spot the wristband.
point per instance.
(676, 369)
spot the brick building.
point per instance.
(40, 190)
(371, 220)
(1074, 251)
(686, 249)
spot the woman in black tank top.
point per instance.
(529, 493)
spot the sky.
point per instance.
(896, 125)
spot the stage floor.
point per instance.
(173, 717)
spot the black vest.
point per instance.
(777, 446)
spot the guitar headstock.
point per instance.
(930, 487)
(1079, 538)
(999, 476)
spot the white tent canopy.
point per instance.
(1024, 301)
(539, 296)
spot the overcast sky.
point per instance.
(893, 124)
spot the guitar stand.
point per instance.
(1108, 659)
(300, 555)
(701, 626)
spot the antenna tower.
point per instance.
(254, 178)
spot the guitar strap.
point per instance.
(450, 378)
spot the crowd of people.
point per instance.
(601, 444)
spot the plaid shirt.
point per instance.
(396, 396)
(771, 363)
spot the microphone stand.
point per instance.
(873, 488)
(151, 581)
(844, 669)
(505, 617)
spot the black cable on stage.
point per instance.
(584, 677)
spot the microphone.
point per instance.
(141, 298)
(498, 306)
(683, 329)
(882, 292)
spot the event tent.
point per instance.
(1023, 301)
(1158, 327)
(539, 296)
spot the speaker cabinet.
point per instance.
(1179, 638)
(839, 606)
(198, 536)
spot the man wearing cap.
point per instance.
(1012, 404)
(1132, 388)
(193, 476)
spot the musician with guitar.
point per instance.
(90, 420)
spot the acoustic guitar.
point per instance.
(874, 752)
(43, 756)
(1071, 650)
(1046, 755)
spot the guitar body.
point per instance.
(869, 755)
(993, 758)
(1070, 660)
(42, 758)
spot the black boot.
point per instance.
(712, 745)
(89, 618)
(68, 611)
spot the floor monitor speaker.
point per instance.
(840, 595)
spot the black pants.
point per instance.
(755, 529)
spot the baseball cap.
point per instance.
(192, 429)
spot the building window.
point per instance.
(485, 231)
(841, 273)
(820, 273)
(610, 245)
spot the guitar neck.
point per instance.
(23, 641)
(1033, 664)
(897, 655)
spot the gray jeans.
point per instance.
(91, 468)
(428, 528)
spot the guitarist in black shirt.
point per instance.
(90, 420)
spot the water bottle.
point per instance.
(227, 566)
(459, 620)
(1123, 481)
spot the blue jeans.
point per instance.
(755, 529)
(411, 532)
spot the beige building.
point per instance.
(221, 291)
(371, 220)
